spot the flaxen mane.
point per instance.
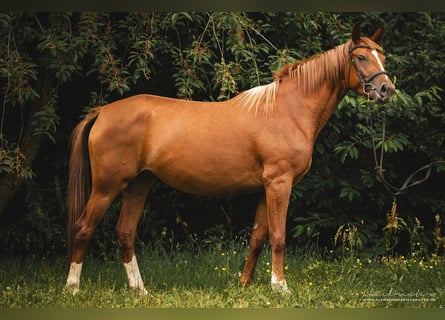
(308, 75)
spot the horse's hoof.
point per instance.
(71, 289)
(140, 291)
(245, 284)
(280, 286)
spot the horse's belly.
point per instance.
(209, 175)
(195, 185)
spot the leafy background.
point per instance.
(55, 66)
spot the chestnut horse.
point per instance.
(259, 141)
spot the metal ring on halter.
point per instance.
(368, 85)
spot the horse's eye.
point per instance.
(361, 58)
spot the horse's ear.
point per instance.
(378, 35)
(356, 33)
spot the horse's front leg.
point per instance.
(278, 191)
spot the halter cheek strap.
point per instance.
(367, 85)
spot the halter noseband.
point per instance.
(367, 85)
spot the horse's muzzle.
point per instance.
(381, 94)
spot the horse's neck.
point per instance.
(312, 110)
(314, 89)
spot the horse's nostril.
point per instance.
(387, 91)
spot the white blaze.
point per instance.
(376, 55)
(134, 276)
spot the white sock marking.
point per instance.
(134, 276)
(279, 285)
(73, 281)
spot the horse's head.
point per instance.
(366, 73)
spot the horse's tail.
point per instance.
(79, 184)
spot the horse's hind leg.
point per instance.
(257, 240)
(134, 197)
(94, 211)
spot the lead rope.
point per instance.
(394, 191)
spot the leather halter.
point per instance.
(367, 85)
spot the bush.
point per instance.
(56, 66)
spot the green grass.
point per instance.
(209, 278)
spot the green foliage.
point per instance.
(46, 120)
(41, 230)
(13, 161)
(55, 66)
(207, 276)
